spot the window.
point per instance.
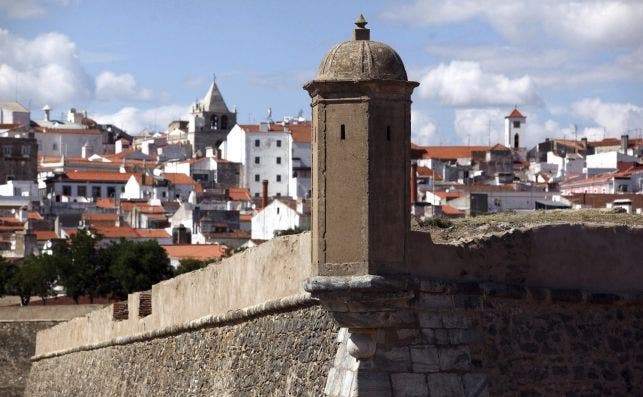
(278, 178)
(164, 194)
(342, 132)
(6, 151)
(82, 191)
(66, 190)
(388, 133)
(278, 160)
(111, 191)
(294, 174)
(224, 122)
(257, 177)
(214, 122)
(277, 210)
(96, 191)
(516, 124)
(256, 142)
(278, 194)
(26, 151)
(256, 194)
(278, 142)
(257, 160)
(54, 146)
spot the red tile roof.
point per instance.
(105, 203)
(428, 172)
(448, 152)
(449, 195)
(239, 194)
(515, 114)
(195, 251)
(34, 216)
(300, 132)
(179, 178)
(152, 233)
(44, 235)
(97, 176)
(245, 217)
(450, 210)
(99, 217)
(115, 231)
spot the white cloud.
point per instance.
(42, 70)
(479, 126)
(110, 86)
(465, 84)
(616, 118)
(591, 22)
(134, 120)
(22, 9)
(423, 129)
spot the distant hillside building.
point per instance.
(14, 113)
(210, 121)
(18, 150)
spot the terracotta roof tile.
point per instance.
(515, 114)
(71, 131)
(428, 172)
(448, 152)
(99, 217)
(97, 176)
(179, 178)
(239, 194)
(44, 235)
(152, 233)
(450, 210)
(115, 231)
(34, 216)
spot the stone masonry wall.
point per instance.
(567, 349)
(17, 345)
(427, 337)
(280, 354)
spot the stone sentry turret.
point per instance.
(361, 105)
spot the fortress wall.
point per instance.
(18, 328)
(592, 257)
(270, 272)
(272, 354)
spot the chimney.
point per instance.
(57, 227)
(181, 235)
(625, 142)
(264, 193)
(583, 142)
(46, 109)
(414, 183)
(209, 152)
(219, 155)
(86, 151)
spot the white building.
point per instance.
(278, 216)
(14, 113)
(265, 152)
(607, 161)
(515, 125)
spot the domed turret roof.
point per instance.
(361, 59)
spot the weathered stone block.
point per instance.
(457, 359)
(425, 359)
(463, 336)
(401, 318)
(370, 383)
(445, 385)
(409, 385)
(475, 385)
(456, 321)
(430, 320)
(430, 301)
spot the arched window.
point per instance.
(516, 142)
(214, 122)
(224, 122)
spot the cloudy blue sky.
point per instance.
(139, 64)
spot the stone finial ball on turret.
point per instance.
(361, 59)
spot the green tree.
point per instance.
(38, 274)
(189, 264)
(135, 266)
(7, 272)
(82, 266)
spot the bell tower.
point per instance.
(361, 105)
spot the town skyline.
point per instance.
(474, 63)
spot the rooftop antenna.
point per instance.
(489, 133)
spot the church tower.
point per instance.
(210, 121)
(361, 105)
(515, 124)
